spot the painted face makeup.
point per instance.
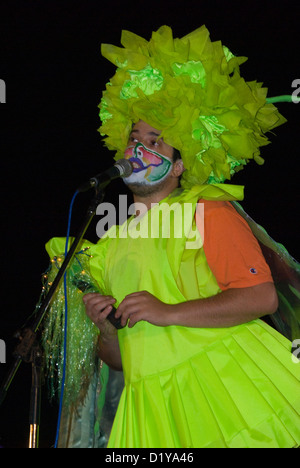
(149, 167)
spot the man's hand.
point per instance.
(228, 308)
(97, 309)
(144, 306)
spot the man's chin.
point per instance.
(143, 189)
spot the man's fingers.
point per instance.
(97, 300)
(98, 306)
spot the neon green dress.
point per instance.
(193, 387)
(184, 387)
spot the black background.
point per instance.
(51, 63)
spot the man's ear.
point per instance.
(178, 168)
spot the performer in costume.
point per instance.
(201, 368)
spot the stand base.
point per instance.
(34, 436)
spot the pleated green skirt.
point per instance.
(241, 390)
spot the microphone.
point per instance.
(122, 168)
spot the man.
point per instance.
(235, 306)
(201, 369)
(251, 296)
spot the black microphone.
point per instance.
(122, 168)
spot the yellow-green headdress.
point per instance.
(191, 90)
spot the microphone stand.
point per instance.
(35, 397)
(28, 350)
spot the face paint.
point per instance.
(149, 167)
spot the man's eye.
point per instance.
(133, 140)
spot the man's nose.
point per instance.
(139, 143)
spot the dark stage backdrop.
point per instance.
(54, 74)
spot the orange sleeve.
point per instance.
(232, 252)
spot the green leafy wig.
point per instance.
(191, 90)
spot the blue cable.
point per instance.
(66, 323)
